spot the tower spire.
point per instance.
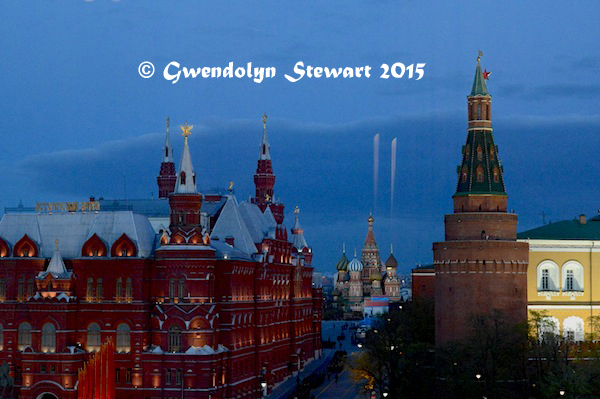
(186, 180)
(480, 173)
(167, 178)
(168, 157)
(265, 147)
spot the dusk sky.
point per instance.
(78, 120)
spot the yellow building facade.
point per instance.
(563, 277)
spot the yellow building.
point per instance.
(563, 278)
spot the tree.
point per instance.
(6, 382)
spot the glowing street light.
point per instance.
(385, 394)
(359, 346)
(478, 376)
(562, 392)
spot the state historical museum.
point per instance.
(217, 304)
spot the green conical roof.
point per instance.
(481, 170)
(479, 87)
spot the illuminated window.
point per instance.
(21, 289)
(128, 376)
(465, 173)
(119, 290)
(174, 338)
(48, 338)
(2, 290)
(182, 178)
(123, 338)
(94, 339)
(89, 293)
(128, 290)
(99, 289)
(24, 339)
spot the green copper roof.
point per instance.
(342, 264)
(479, 87)
(480, 172)
(565, 230)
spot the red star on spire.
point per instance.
(486, 74)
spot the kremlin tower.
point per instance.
(480, 267)
(167, 178)
(185, 201)
(370, 258)
(264, 179)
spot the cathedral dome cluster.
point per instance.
(367, 278)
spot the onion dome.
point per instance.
(391, 261)
(376, 275)
(342, 264)
(355, 265)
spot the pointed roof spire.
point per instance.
(479, 86)
(298, 239)
(168, 154)
(265, 147)
(370, 240)
(186, 179)
(56, 267)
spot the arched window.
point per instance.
(181, 289)
(128, 290)
(123, 338)
(548, 327)
(182, 177)
(496, 174)
(89, 292)
(172, 288)
(175, 338)
(1, 337)
(479, 153)
(479, 111)
(479, 174)
(492, 153)
(547, 276)
(99, 289)
(2, 290)
(572, 276)
(94, 339)
(464, 173)
(48, 338)
(573, 329)
(24, 339)
(30, 288)
(468, 152)
(21, 289)
(119, 290)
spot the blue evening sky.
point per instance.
(78, 120)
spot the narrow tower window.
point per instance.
(479, 153)
(479, 174)
(479, 111)
(182, 177)
(496, 175)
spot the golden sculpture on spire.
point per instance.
(187, 130)
(264, 119)
(230, 186)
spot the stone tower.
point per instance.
(480, 267)
(370, 258)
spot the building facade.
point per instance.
(563, 280)
(480, 267)
(217, 305)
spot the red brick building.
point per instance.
(214, 307)
(480, 267)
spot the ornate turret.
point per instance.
(480, 184)
(167, 178)
(264, 179)
(185, 202)
(480, 268)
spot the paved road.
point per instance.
(345, 388)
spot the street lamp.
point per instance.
(478, 376)
(263, 385)
(385, 394)
(562, 392)
(359, 345)
(392, 347)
